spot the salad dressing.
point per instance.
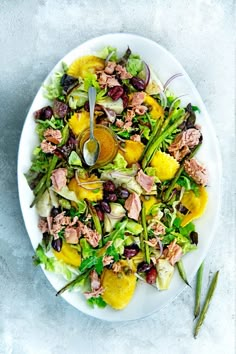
(107, 141)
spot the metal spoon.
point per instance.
(91, 147)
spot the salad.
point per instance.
(129, 218)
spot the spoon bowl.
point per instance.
(91, 147)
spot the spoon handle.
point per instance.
(92, 100)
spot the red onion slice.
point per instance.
(111, 115)
(147, 74)
(115, 216)
(175, 100)
(163, 99)
(171, 79)
(160, 246)
(109, 57)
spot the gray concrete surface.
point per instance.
(34, 35)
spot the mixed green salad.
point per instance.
(129, 218)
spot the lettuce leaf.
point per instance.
(119, 162)
(111, 219)
(74, 159)
(123, 177)
(87, 249)
(91, 80)
(107, 102)
(54, 89)
(188, 183)
(134, 64)
(97, 301)
(52, 264)
(106, 51)
(77, 98)
(165, 273)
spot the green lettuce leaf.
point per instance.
(91, 80)
(86, 248)
(107, 102)
(188, 183)
(124, 176)
(52, 264)
(110, 220)
(106, 51)
(97, 301)
(54, 89)
(77, 98)
(134, 64)
(165, 273)
(74, 159)
(119, 162)
(133, 227)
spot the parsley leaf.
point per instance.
(97, 301)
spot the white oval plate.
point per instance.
(146, 299)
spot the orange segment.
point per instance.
(165, 165)
(86, 64)
(69, 255)
(132, 151)
(195, 205)
(79, 122)
(90, 191)
(118, 288)
(155, 110)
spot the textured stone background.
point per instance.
(34, 35)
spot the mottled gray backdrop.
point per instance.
(34, 35)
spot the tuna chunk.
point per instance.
(133, 206)
(53, 135)
(173, 253)
(47, 147)
(184, 142)
(197, 171)
(140, 110)
(110, 67)
(137, 99)
(59, 178)
(71, 235)
(93, 237)
(107, 80)
(96, 288)
(123, 72)
(136, 137)
(145, 181)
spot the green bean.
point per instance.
(178, 174)
(153, 135)
(52, 165)
(182, 273)
(177, 114)
(205, 307)
(39, 195)
(40, 184)
(156, 143)
(145, 235)
(71, 284)
(95, 217)
(65, 135)
(198, 290)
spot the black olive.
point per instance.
(57, 244)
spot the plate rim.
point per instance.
(216, 147)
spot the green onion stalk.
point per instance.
(198, 290)
(155, 144)
(182, 273)
(206, 304)
(169, 190)
(71, 284)
(144, 245)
